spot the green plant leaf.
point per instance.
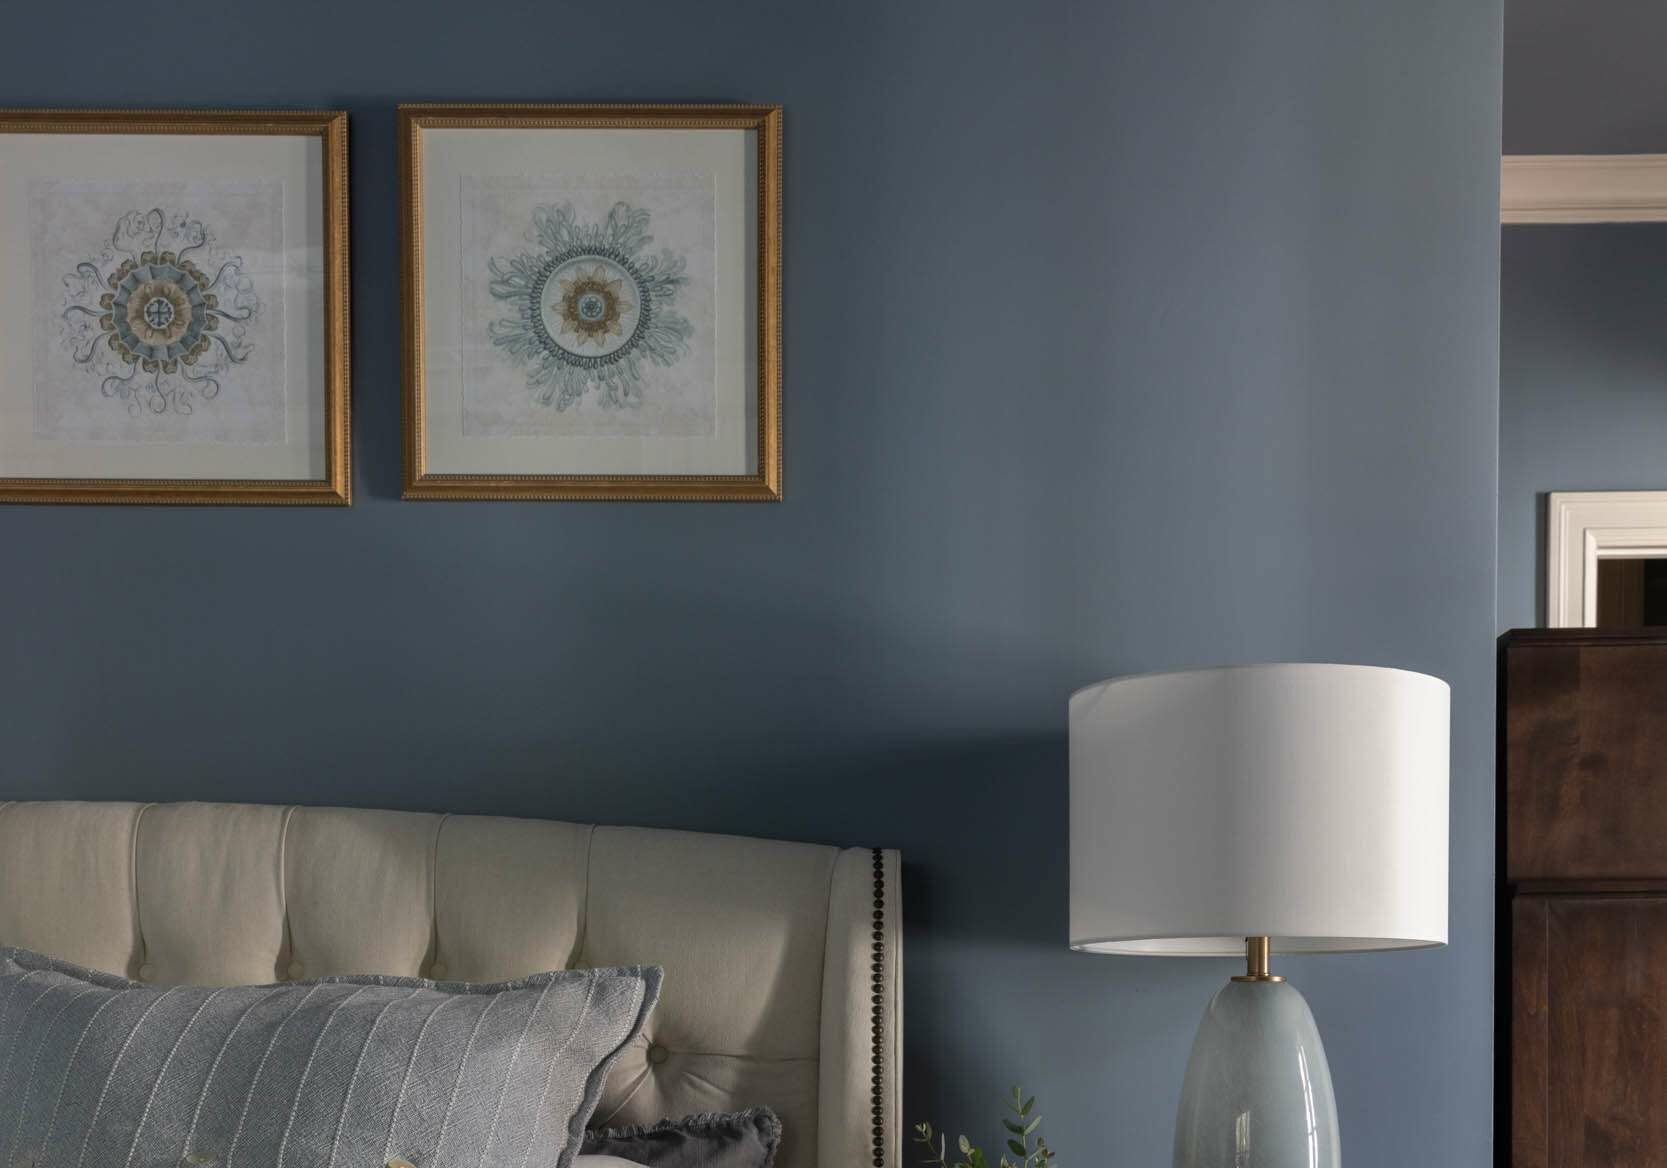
(935, 1144)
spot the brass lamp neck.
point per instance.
(1256, 961)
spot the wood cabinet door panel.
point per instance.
(1585, 759)
(1589, 1032)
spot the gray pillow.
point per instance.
(349, 1072)
(742, 1139)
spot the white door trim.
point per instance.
(1583, 527)
(1583, 188)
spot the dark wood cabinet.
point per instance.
(1588, 1030)
(1582, 959)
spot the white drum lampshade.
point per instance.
(1265, 808)
(1303, 803)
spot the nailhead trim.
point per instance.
(879, 984)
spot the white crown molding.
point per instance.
(1583, 527)
(1583, 188)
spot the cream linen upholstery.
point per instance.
(772, 973)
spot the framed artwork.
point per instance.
(175, 324)
(592, 301)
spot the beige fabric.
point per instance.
(359, 891)
(66, 881)
(848, 1050)
(230, 929)
(744, 962)
(767, 946)
(509, 897)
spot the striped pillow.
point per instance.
(353, 1072)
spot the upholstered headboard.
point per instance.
(782, 960)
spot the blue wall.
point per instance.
(1583, 383)
(1120, 336)
(1583, 373)
(1585, 78)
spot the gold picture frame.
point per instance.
(333, 487)
(762, 482)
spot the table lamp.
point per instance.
(1259, 810)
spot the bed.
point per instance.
(783, 960)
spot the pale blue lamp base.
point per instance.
(1258, 1090)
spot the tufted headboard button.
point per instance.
(657, 1054)
(295, 970)
(437, 971)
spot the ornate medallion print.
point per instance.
(589, 309)
(158, 330)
